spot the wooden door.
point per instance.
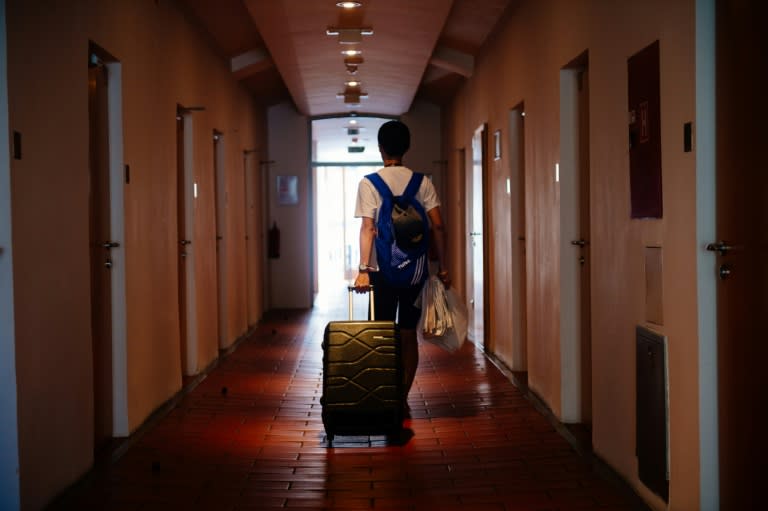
(585, 293)
(741, 248)
(101, 245)
(517, 200)
(184, 240)
(221, 247)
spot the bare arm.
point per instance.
(438, 243)
(367, 234)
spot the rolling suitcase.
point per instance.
(362, 377)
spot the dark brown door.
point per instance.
(101, 245)
(221, 248)
(519, 277)
(742, 226)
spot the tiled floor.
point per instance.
(250, 437)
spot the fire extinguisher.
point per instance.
(273, 242)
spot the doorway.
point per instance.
(185, 195)
(101, 246)
(575, 296)
(338, 248)
(516, 190)
(107, 260)
(344, 151)
(476, 251)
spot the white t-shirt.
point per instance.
(397, 178)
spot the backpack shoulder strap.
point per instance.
(380, 185)
(413, 185)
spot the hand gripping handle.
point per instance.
(370, 301)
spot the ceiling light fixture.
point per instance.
(348, 5)
(352, 96)
(352, 63)
(352, 83)
(351, 53)
(349, 35)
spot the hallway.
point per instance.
(250, 436)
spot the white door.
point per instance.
(573, 176)
(476, 249)
(186, 249)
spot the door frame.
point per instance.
(9, 433)
(706, 221)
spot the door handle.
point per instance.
(720, 246)
(185, 242)
(110, 244)
(580, 242)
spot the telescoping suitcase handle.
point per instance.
(370, 302)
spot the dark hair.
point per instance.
(394, 138)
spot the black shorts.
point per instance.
(391, 302)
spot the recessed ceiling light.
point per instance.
(351, 53)
(353, 121)
(348, 5)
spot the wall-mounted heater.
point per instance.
(652, 441)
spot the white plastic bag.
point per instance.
(443, 318)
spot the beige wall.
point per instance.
(290, 286)
(165, 62)
(522, 63)
(425, 154)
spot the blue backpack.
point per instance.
(402, 234)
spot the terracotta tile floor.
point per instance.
(250, 437)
